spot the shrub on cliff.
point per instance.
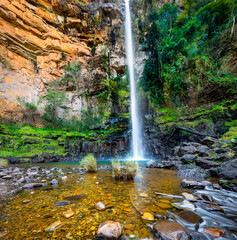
(89, 162)
(55, 101)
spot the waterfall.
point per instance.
(136, 128)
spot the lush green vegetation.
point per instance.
(27, 141)
(194, 117)
(181, 48)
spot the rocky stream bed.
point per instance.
(65, 202)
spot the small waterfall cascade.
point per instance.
(136, 127)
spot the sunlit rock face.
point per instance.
(39, 38)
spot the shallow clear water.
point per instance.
(28, 221)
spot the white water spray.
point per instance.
(136, 129)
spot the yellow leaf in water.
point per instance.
(148, 216)
(143, 195)
(69, 236)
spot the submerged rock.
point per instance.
(62, 203)
(54, 226)
(75, 198)
(64, 178)
(100, 206)
(67, 214)
(170, 230)
(109, 230)
(26, 201)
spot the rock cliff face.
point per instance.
(38, 39)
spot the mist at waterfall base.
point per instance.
(137, 151)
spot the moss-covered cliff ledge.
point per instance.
(28, 142)
(213, 119)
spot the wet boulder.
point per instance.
(109, 230)
(189, 196)
(170, 230)
(193, 172)
(184, 205)
(228, 170)
(190, 219)
(230, 185)
(151, 164)
(14, 160)
(203, 151)
(206, 164)
(209, 141)
(171, 164)
(214, 232)
(188, 158)
(186, 150)
(39, 159)
(194, 184)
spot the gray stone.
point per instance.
(206, 164)
(203, 151)
(184, 205)
(62, 203)
(186, 150)
(34, 185)
(2, 174)
(194, 184)
(209, 141)
(228, 170)
(188, 158)
(54, 182)
(151, 164)
(193, 172)
(6, 177)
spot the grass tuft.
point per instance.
(127, 171)
(4, 163)
(89, 162)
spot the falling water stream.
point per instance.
(136, 128)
